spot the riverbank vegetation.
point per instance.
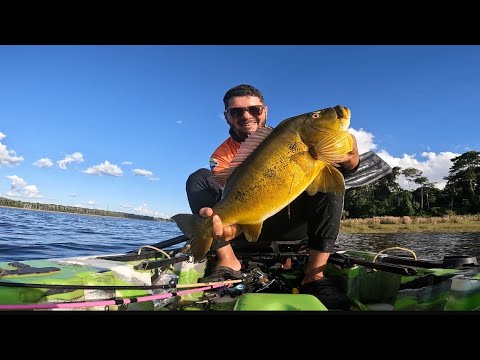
(385, 197)
(391, 224)
(71, 209)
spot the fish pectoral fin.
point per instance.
(328, 180)
(252, 231)
(333, 147)
(194, 227)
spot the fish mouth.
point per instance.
(342, 112)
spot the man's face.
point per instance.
(241, 121)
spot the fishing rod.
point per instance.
(133, 255)
(172, 284)
(123, 301)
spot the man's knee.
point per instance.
(198, 179)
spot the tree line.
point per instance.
(71, 209)
(385, 197)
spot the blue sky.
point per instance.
(122, 127)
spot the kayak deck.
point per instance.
(129, 282)
(438, 287)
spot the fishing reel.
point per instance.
(255, 280)
(261, 280)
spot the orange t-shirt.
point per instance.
(223, 155)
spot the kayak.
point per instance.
(161, 278)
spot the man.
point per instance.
(314, 217)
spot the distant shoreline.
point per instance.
(85, 214)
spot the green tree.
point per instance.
(463, 182)
(421, 180)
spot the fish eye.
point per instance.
(315, 115)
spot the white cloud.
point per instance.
(75, 157)
(142, 172)
(20, 188)
(8, 157)
(144, 210)
(43, 163)
(32, 191)
(104, 169)
(127, 163)
(364, 140)
(434, 167)
(16, 181)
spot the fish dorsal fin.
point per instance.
(252, 231)
(328, 180)
(247, 147)
(333, 147)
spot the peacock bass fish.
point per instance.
(271, 169)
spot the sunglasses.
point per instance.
(254, 110)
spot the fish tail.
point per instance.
(199, 230)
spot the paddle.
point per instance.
(372, 167)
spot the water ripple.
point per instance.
(26, 235)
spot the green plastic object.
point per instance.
(278, 302)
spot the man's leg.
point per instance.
(317, 261)
(201, 192)
(325, 211)
(314, 217)
(324, 215)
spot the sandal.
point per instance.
(222, 273)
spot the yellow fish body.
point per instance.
(298, 155)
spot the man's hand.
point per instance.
(351, 159)
(221, 232)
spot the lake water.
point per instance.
(26, 235)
